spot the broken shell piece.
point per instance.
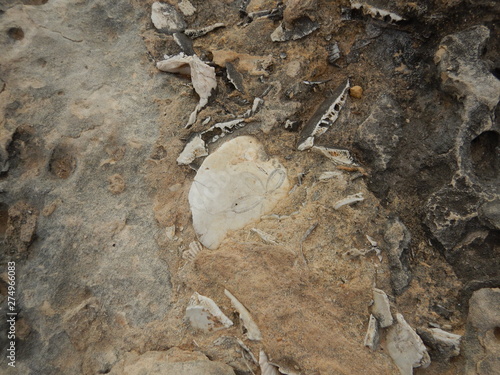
(301, 28)
(203, 313)
(337, 155)
(166, 18)
(195, 148)
(358, 197)
(405, 347)
(372, 335)
(324, 117)
(442, 344)
(170, 232)
(234, 186)
(196, 33)
(256, 105)
(266, 368)
(329, 175)
(221, 129)
(202, 76)
(333, 52)
(377, 13)
(381, 308)
(234, 77)
(265, 236)
(253, 332)
(194, 249)
(187, 8)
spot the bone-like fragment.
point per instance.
(266, 237)
(337, 155)
(382, 308)
(195, 148)
(253, 332)
(358, 197)
(194, 249)
(324, 117)
(256, 105)
(266, 368)
(166, 18)
(372, 335)
(203, 313)
(325, 176)
(377, 13)
(202, 77)
(196, 33)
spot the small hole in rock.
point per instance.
(496, 332)
(485, 155)
(15, 33)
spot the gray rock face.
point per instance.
(76, 121)
(464, 232)
(482, 333)
(442, 344)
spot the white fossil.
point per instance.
(203, 313)
(253, 332)
(266, 237)
(358, 197)
(377, 13)
(195, 148)
(234, 186)
(325, 176)
(194, 249)
(202, 77)
(336, 155)
(372, 335)
(266, 368)
(381, 308)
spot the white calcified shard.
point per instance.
(253, 332)
(203, 313)
(220, 129)
(194, 249)
(196, 33)
(170, 232)
(377, 13)
(187, 8)
(266, 237)
(166, 18)
(257, 104)
(234, 186)
(325, 176)
(266, 368)
(372, 242)
(202, 77)
(405, 347)
(382, 308)
(372, 335)
(195, 148)
(324, 117)
(358, 197)
(336, 155)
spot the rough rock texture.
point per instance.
(94, 207)
(481, 341)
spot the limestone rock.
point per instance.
(234, 187)
(381, 308)
(443, 345)
(171, 362)
(482, 333)
(166, 18)
(405, 347)
(398, 238)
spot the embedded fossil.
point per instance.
(253, 332)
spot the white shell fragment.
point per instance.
(372, 336)
(203, 313)
(351, 199)
(381, 308)
(336, 155)
(266, 237)
(328, 175)
(194, 249)
(405, 347)
(196, 33)
(166, 18)
(202, 77)
(253, 332)
(376, 13)
(195, 148)
(234, 186)
(257, 104)
(266, 368)
(324, 117)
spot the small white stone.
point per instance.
(382, 308)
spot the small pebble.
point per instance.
(356, 92)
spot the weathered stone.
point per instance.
(405, 347)
(381, 308)
(397, 238)
(166, 18)
(489, 214)
(372, 336)
(443, 345)
(482, 333)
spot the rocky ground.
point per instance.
(105, 226)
